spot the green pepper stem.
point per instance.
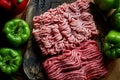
(19, 1)
(17, 27)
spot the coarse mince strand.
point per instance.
(82, 63)
(64, 27)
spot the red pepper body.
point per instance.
(14, 6)
(18, 6)
(5, 4)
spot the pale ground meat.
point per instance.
(64, 27)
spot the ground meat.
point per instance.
(82, 63)
(64, 27)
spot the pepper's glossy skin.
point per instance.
(6, 4)
(16, 31)
(112, 44)
(19, 6)
(10, 60)
(14, 7)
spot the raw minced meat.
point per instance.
(82, 63)
(64, 27)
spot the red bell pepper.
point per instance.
(19, 5)
(5, 4)
(14, 6)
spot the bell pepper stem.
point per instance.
(19, 1)
(17, 27)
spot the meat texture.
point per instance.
(82, 63)
(64, 27)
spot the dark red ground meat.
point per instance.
(82, 63)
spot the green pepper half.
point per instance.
(112, 44)
(16, 31)
(10, 60)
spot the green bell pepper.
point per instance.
(112, 44)
(115, 19)
(106, 5)
(16, 31)
(10, 60)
